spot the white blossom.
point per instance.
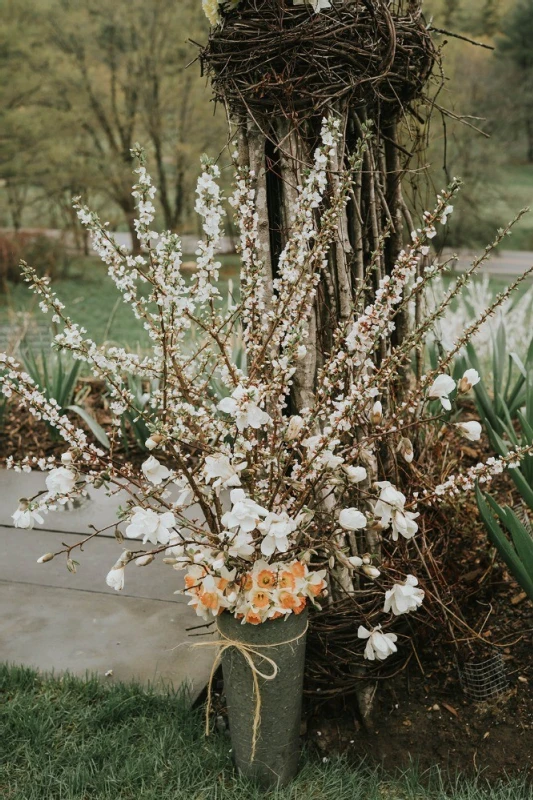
(152, 526)
(277, 529)
(26, 517)
(441, 387)
(245, 512)
(390, 509)
(220, 469)
(60, 481)
(351, 519)
(469, 379)
(354, 474)
(154, 471)
(379, 645)
(403, 597)
(470, 430)
(242, 405)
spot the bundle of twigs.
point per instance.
(271, 57)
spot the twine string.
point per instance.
(247, 651)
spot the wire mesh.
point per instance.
(482, 680)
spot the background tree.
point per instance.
(516, 63)
(95, 79)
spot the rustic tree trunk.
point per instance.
(277, 145)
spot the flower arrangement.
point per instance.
(265, 510)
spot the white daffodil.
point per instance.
(243, 406)
(154, 471)
(441, 387)
(379, 645)
(220, 469)
(316, 5)
(355, 474)
(351, 519)
(26, 518)
(390, 509)
(153, 527)
(469, 379)
(470, 430)
(60, 481)
(245, 512)
(294, 427)
(403, 597)
(276, 528)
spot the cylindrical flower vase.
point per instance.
(276, 729)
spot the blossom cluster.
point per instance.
(268, 591)
(264, 506)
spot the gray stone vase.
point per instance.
(277, 749)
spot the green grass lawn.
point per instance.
(516, 193)
(69, 739)
(92, 300)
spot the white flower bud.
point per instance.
(405, 449)
(143, 561)
(295, 426)
(377, 413)
(371, 572)
(45, 558)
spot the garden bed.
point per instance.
(421, 714)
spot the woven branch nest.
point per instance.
(269, 57)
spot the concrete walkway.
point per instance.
(507, 263)
(54, 620)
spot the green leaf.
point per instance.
(92, 424)
(501, 542)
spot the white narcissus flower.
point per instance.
(26, 518)
(245, 512)
(379, 645)
(154, 471)
(351, 519)
(470, 430)
(224, 473)
(469, 379)
(355, 474)
(60, 481)
(317, 5)
(441, 387)
(403, 597)
(277, 528)
(153, 527)
(243, 406)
